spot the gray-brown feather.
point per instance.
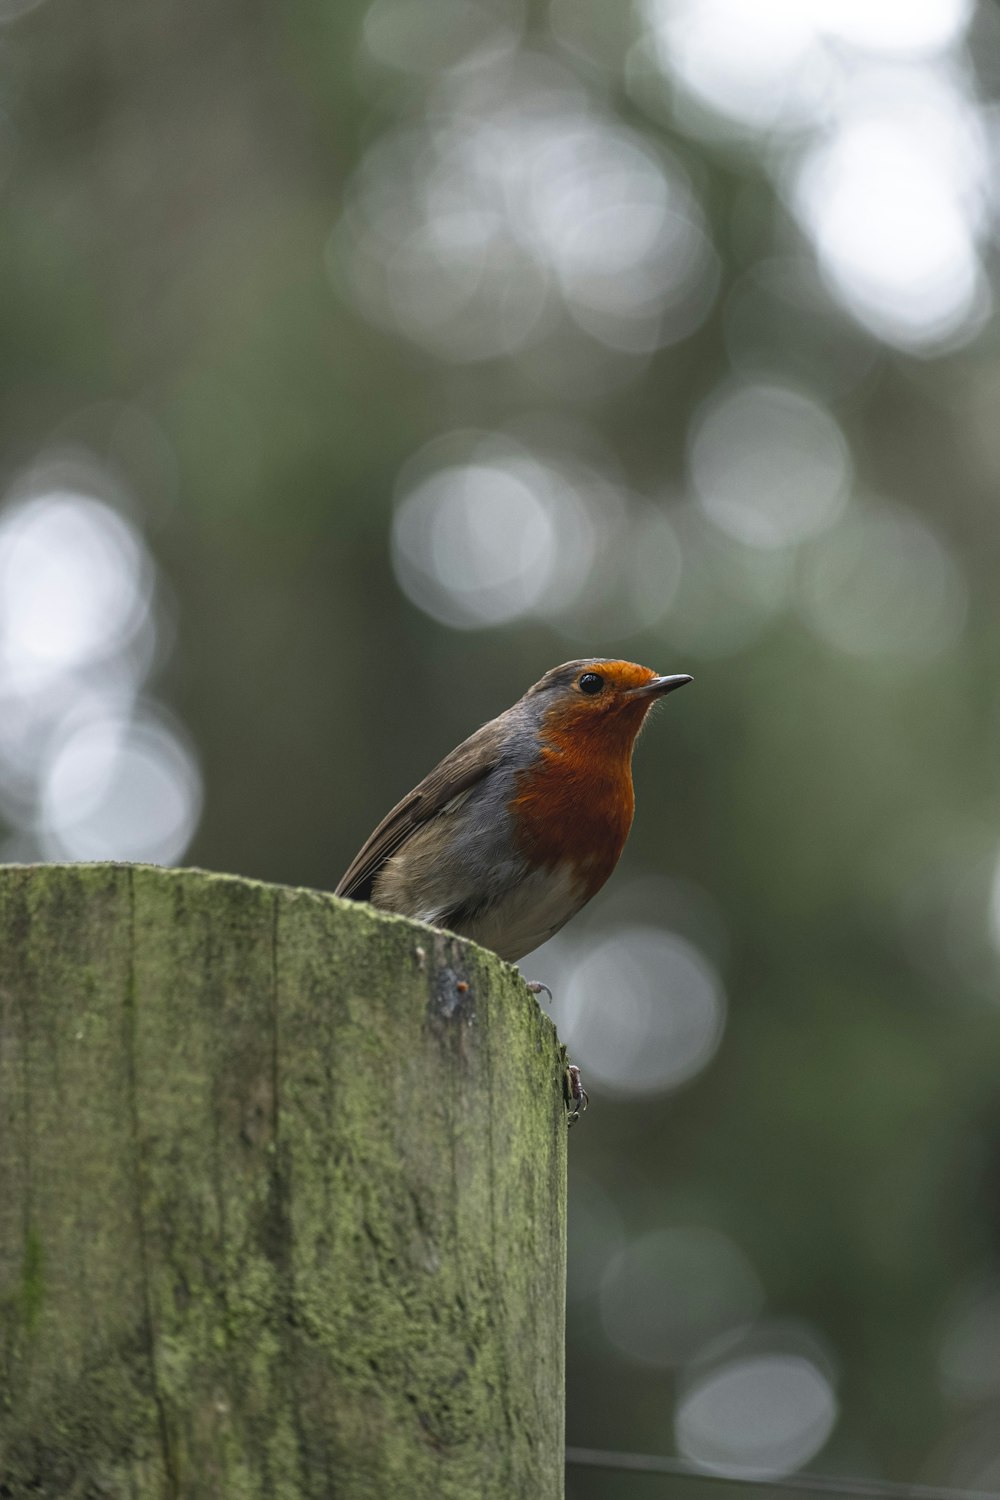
(472, 760)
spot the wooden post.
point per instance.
(282, 1199)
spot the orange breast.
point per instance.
(577, 803)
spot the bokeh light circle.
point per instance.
(760, 66)
(894, 199)
(666, 1019)
(74, 584)
(517, 209)
(895, 26)
(769, 464)
(669, 1290)
(85, 772)
(757, 1414)
(120, 788)
(883, 584)
(487, 540)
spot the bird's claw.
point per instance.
(577, 1097)
(574, 1093)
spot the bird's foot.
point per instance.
(575, 1094)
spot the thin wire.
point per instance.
(816, 1484)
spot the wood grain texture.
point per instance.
(282, 1199)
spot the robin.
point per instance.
(515, 830)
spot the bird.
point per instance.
(519, 826)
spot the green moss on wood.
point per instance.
(281, 1198)
(31, 1280)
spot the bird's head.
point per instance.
(599, 701)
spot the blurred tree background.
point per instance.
(363, 360)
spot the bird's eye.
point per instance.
(591, 683)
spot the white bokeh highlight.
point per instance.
(757, 1414)
(770, 466)
(515, 207)
(74, 585)
(667, 1019)
(488, 530)
(90, 767)
(486, 541)
(761, 66)
(895, 200)
(125, 788)
(894, 27)
(868, 118)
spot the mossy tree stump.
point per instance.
(282, 1199)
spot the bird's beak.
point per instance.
(658, 687)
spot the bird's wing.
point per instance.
(453, 777)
